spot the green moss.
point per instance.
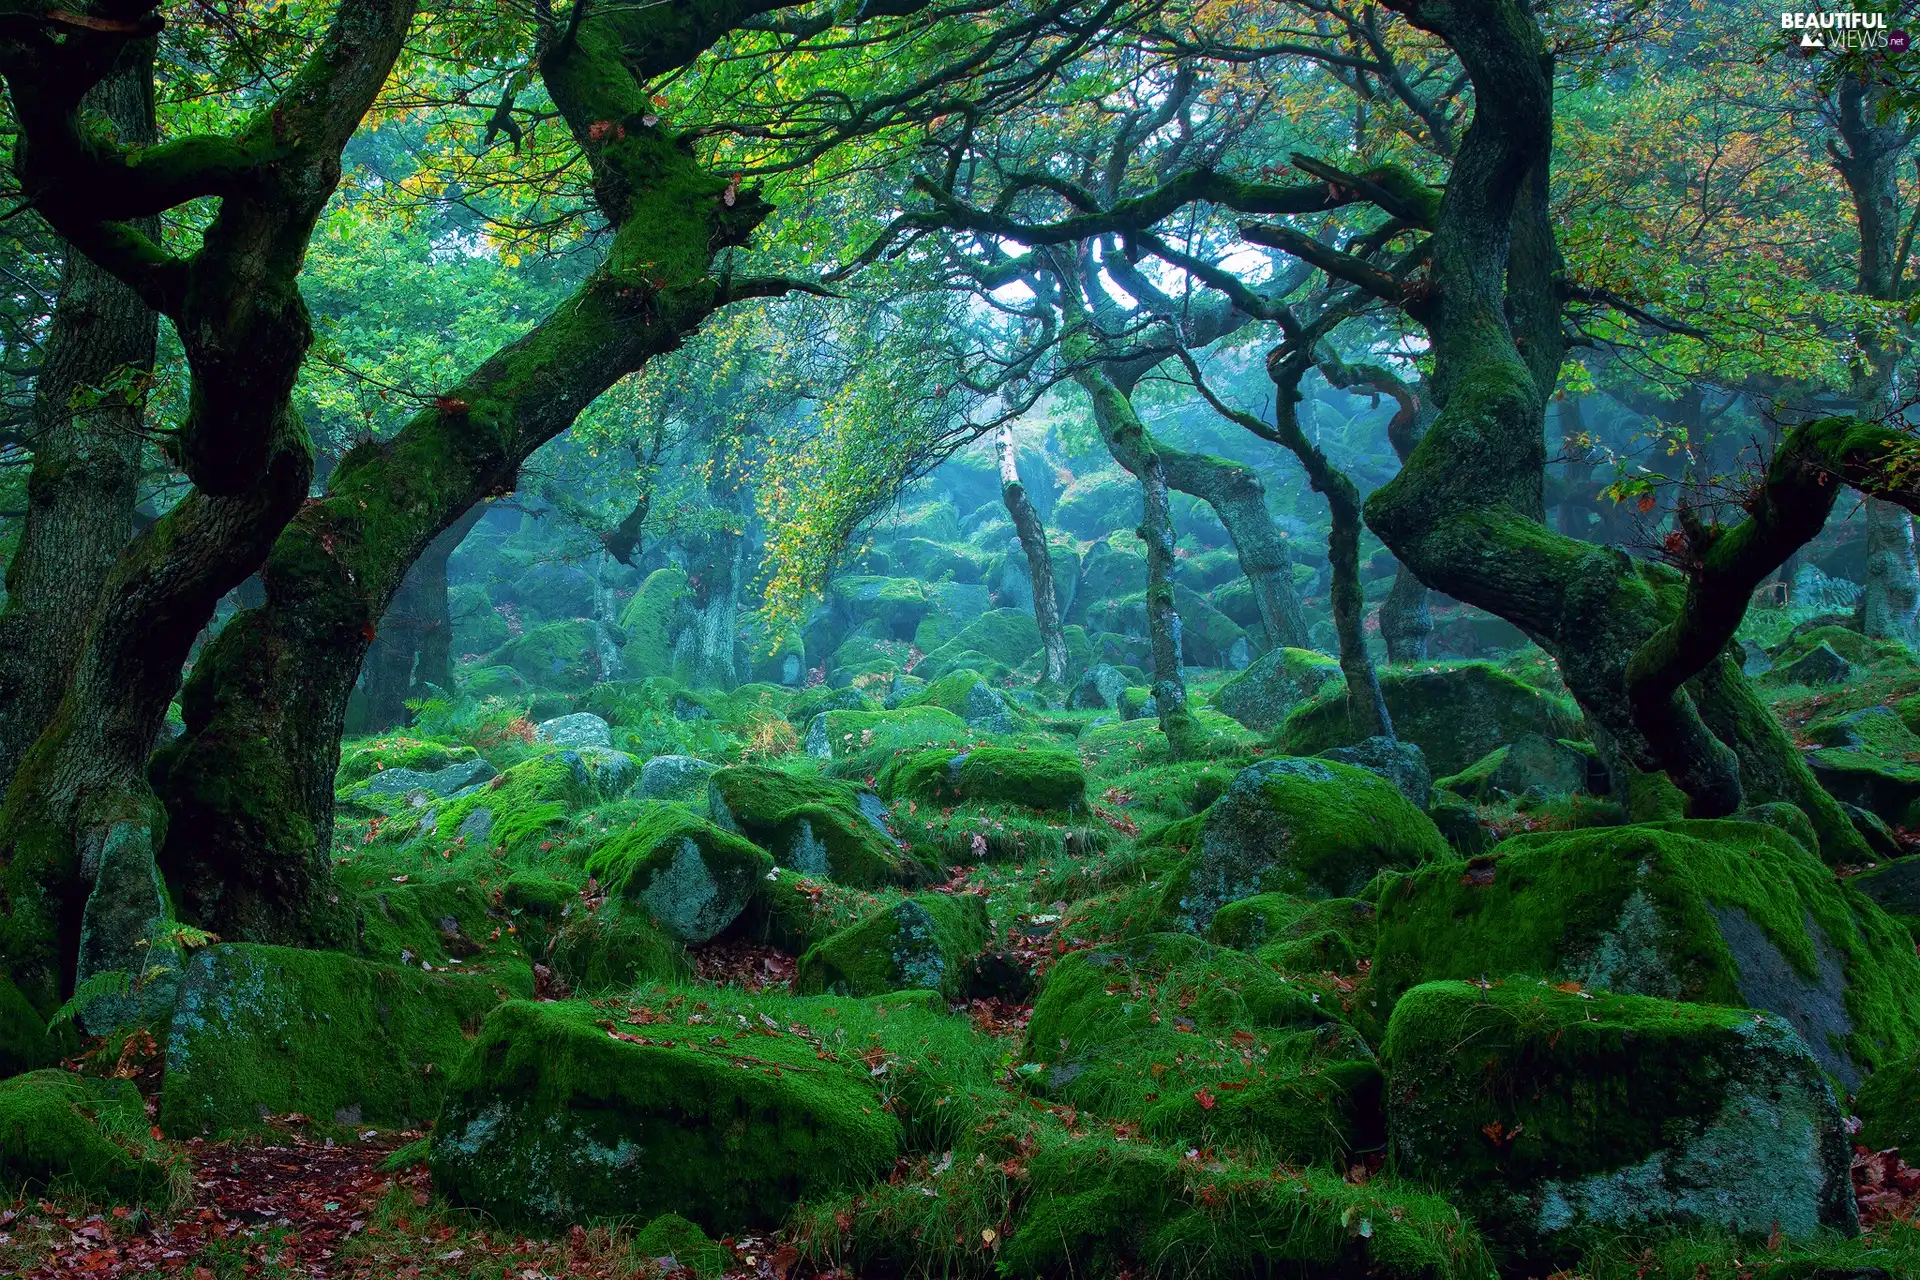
(795, 912)
(1296, 935)
(977, 833)
(648, 622)
(689, 875)
(1555, 1111)
(833, 735)
(1051, 780)
(436, 921)
(818, 826)
(364, 758)
(24, 1042)
(1890, 1249)
(1455, 712)
(1006, 637)
(1889, 1107)
(557, 655)
(1848, 643)
(613, 948)
(1261, 696)
(524, 807)
(1310, 828)
(61, 1132)
(920, 943)
(1726, 913)
(672, 1236)
(553, 1120)
(259, 1030)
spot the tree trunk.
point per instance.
(270, 695)
(1033, 541)
(1892, 595)
(1240, 500)
(1405, 623)
(89, 412)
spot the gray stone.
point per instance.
(987, 710)
(615, 773)
(1537, 767)
(1754, 661)
(1273, 685)
(581, 729)
(682, 778)
(1099, 689)
(1400, 762)
(444, 784)
(1819, 665)
(119, 931)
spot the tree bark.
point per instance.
(1892, 597)
(1033, 542)
(1240, 500)
(89, 412)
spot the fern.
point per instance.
(100, 986)
(172, 933)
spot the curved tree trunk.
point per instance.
(1405, 623)
(89, 412)
(269, 697)
(411, 655)
(1240, 500)
(1033, 542)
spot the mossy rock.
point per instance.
(1454, 712)
(1730, 913)
(1006, 637)
(1889, 789)
(260, 1030)
(692, 877)
(570, 657)
(1279, 680)
(893, 605)
(832, 735)
(1531, 768)
(1556, 1112)
(971, 698)
(520, 809)
(651, 621)
(1269, 923)
(397, 790)
(920, 943)
(1203, 1046)
(436, 921)
(495, 681)
(364, 758)
(1039, 779)
(821, 827)
(24, 1040)
(1845, 641)
(672, 1236)
(1888, 1105)
(1097, 505)
(613, 948)
(1310, 828)
(931, 561)
(552, 1120)
(66, 1133)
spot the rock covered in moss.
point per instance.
(1002, 638)
(1888, 1105)
(71, 1133)
(893, 605)
(24, 1041)
(1312, 828)
(367, 757)
(833, 735)
(682, 778)
(553, 1119)
(821, 827)
(581, 729)
(671, 1239)
(1456, 712)
(970, 697)
(612, 947)
(1400, 762)
(1820, 665)
(552, 591)
(1296, 935)
(1555, 1111)
(1035, 779)
(921, 943)
(568, 656)
(692, 877)
(1730, 913)
(1889, 789)
(496, 681)
(1279, 680)
(516, 811)
(1099, 688)
(261, 1030)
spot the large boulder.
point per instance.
(1034, 779)
(690, 876)
(682, 778)
(1279, 680)
(391, 790)
(517, 811)
(1531, 768)
(821, 827)
(995, 641)
(1097, 505)
(971, 698)
(1557, 1112)
(552, 592)
(261, 1030)
(1100, 688)
(581, 729)
(653, 620)
(893, 606)
(920, 943)
(1400, 762)
(556, 1118)
(567, 656)
(1733, 913)
(71, 1133)
(1455, 712)
(834, 735)
(1886, 788)
(1312, 828)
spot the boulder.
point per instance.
(1398, 761)
(971, 698)
(682, 778)
(1312, 828)
(1888, 1105)
(614, 773)
(673, 1242)
(653, 620)
(518, 810)
(122, 932)
(1885, 787)
(920, 943)
(570, 657)
(1279, 680)
(1455, 712)
(1294, 934)
(1099, 688)
(498, 681)
(1820, 665)
(71, 1133)
(1002, 638)
(392, 790)
(894, 606)
(1036, 779)
(24, 1041)
(1097, 505)
(690, 876)
(361, 760)
(821, 827)
(554, 1119)
(833, 735)
(552, 592)
(1720, 912)
(581, 729)
(1555, 1112)
(612, 947)
(1533, 768)
(260, 1030)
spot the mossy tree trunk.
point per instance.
(88, 424)
(249, 787)
(243, 327)
(411, 655)
(1033, 544)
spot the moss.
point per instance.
(1557, 1110)
(1848, 643)
(1455, 712)
(553, 1120)
(497, 681)
(832, 735)
(920, 943)
(819, 826)
(557, 655)
(362, 759)
(1891, 1249)
(693, 877)
(649, 619)
(672, 1236)
(260, 1030)
(1007, 637)
(24, 1042)
(1885, 787)
(1310, 828)
(809, 703)
(1204, 1046)
(968, 695)
(794, 912)
(440, 922)
(537, 903)
(1051, 780)
(61, 1132)
(524, 807)
(1261, 696)
(614, 947)
(1271, 922)
(1723, 912)
(977, 833)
